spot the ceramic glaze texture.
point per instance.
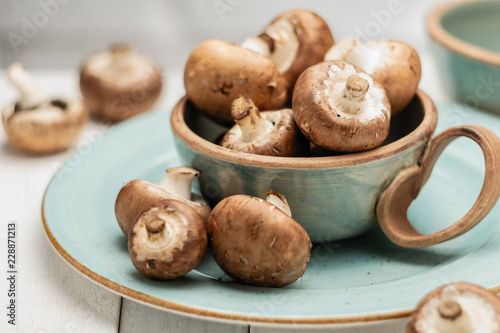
(464, 40)
(331, 202)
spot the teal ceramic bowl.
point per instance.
(337, 197)
(465, 39)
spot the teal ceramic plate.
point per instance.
(357, 280)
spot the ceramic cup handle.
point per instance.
(395, 200)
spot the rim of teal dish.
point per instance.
(189, 310)
(199, 312)
(439, 34)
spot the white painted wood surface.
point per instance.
(52, 297)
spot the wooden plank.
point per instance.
(50, 296)
(140, 318)
(386, 326)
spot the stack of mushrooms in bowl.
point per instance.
(336, 137)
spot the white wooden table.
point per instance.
(53, 297)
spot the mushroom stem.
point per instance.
(453, 319)
(155, 225)
(178, 181)
(121, 50)
(31, 97)
(248, 118)
(279, 201)
(343, 49)
(356, 88)
(263, 44)
(121, 57)
(351, 50)
(449, 309)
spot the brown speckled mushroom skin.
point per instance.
(285, 140)
(315, 39)
(256, 243)
(486, 294)
(33, 134)
(183, 260)
(400, 73)
(330, 130)
(217, 72)
(134, 198)
(137, 196)
(116, 101)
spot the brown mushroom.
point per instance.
(341, 108)
(168, 240)
(394, 64)
(458, 307)
(37, 124)
(217, 72)
(138, 195)
(294, 41)
(258, 242)
(272, 133)
(120, 83)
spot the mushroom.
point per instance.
(272, 133)
(458, 307)
(217, 72)
(138, 195)
(258, 242)
(394, 64)
(120, 83)
(294, 41)
(168, 240)
(36, 123)
(341, 108)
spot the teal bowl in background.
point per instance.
(465, 40)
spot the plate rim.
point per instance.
(182, 309)
(185, 309)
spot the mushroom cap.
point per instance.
(480, 304)
(46, 129)
(168, 240)
(309, 38)
(115, 92)
(217, 72)
(282, 139)
(399, 71)
(394, 64)
(331, 121)
(255, 242)
(138, 195)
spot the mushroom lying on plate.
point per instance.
(394, 64)
(294, 41)
(339, 107)
(258, 242)
(217, 72)
(168, 240)
(138, 195)
(120, 83)
(458, 307)
(36, 123)
(271, 133)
